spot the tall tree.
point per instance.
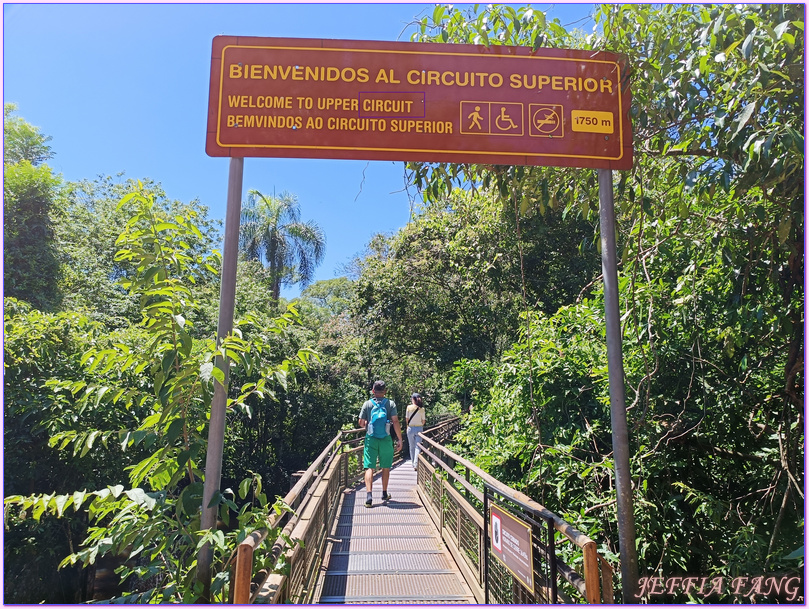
(86, 231)
(22, 141)
(30, 199)
(455, 280)
(271, 231)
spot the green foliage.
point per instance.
(326, 299)
(91, 404)
(709, 483)
(721, 83)
(86, 231)
(450, 284)
(40, 347)
(282, 428)
(31, 267)
(158, 534)
(157, 519)
(31, 196)
(471, 378)
(711, 244)
(22, 141)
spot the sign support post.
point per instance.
(216, 428)
(615, 363)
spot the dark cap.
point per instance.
(379, 386)
(416, 396)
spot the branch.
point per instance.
(778, 522)
(691, 152)
(600, 505)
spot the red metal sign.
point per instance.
(457, 103)
(511, 545)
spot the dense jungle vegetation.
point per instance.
(489, 302)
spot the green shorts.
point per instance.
(378, 447)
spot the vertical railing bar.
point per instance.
(441, 504)
(551, 549)
(481, 569)
(458, 524)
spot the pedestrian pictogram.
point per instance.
(546, 120)
(475, 116)
(491, 118)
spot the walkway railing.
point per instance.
(457, 494)
(455, 502)
(314, 499)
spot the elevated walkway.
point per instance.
(390, 553)
(434, 542)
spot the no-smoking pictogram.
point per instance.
(546, 120)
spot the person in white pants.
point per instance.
(415, 417)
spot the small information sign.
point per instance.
(457, 103)
(511, 545)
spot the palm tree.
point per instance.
(271, 232)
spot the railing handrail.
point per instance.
(588, 583)
(244, 563)
(577, 537)
(243, 572)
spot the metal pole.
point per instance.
(216, 430)
(615, 363)
(485, 544)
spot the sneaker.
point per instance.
(385, 496)
(369, 503)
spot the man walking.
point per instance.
(376, 417)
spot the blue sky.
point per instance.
(124, 88)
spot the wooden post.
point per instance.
(591, 573)
(244, 574)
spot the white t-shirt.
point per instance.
(418, 419)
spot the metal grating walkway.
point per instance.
(390, 553)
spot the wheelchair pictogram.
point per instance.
(503, 121)
(507, 118)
